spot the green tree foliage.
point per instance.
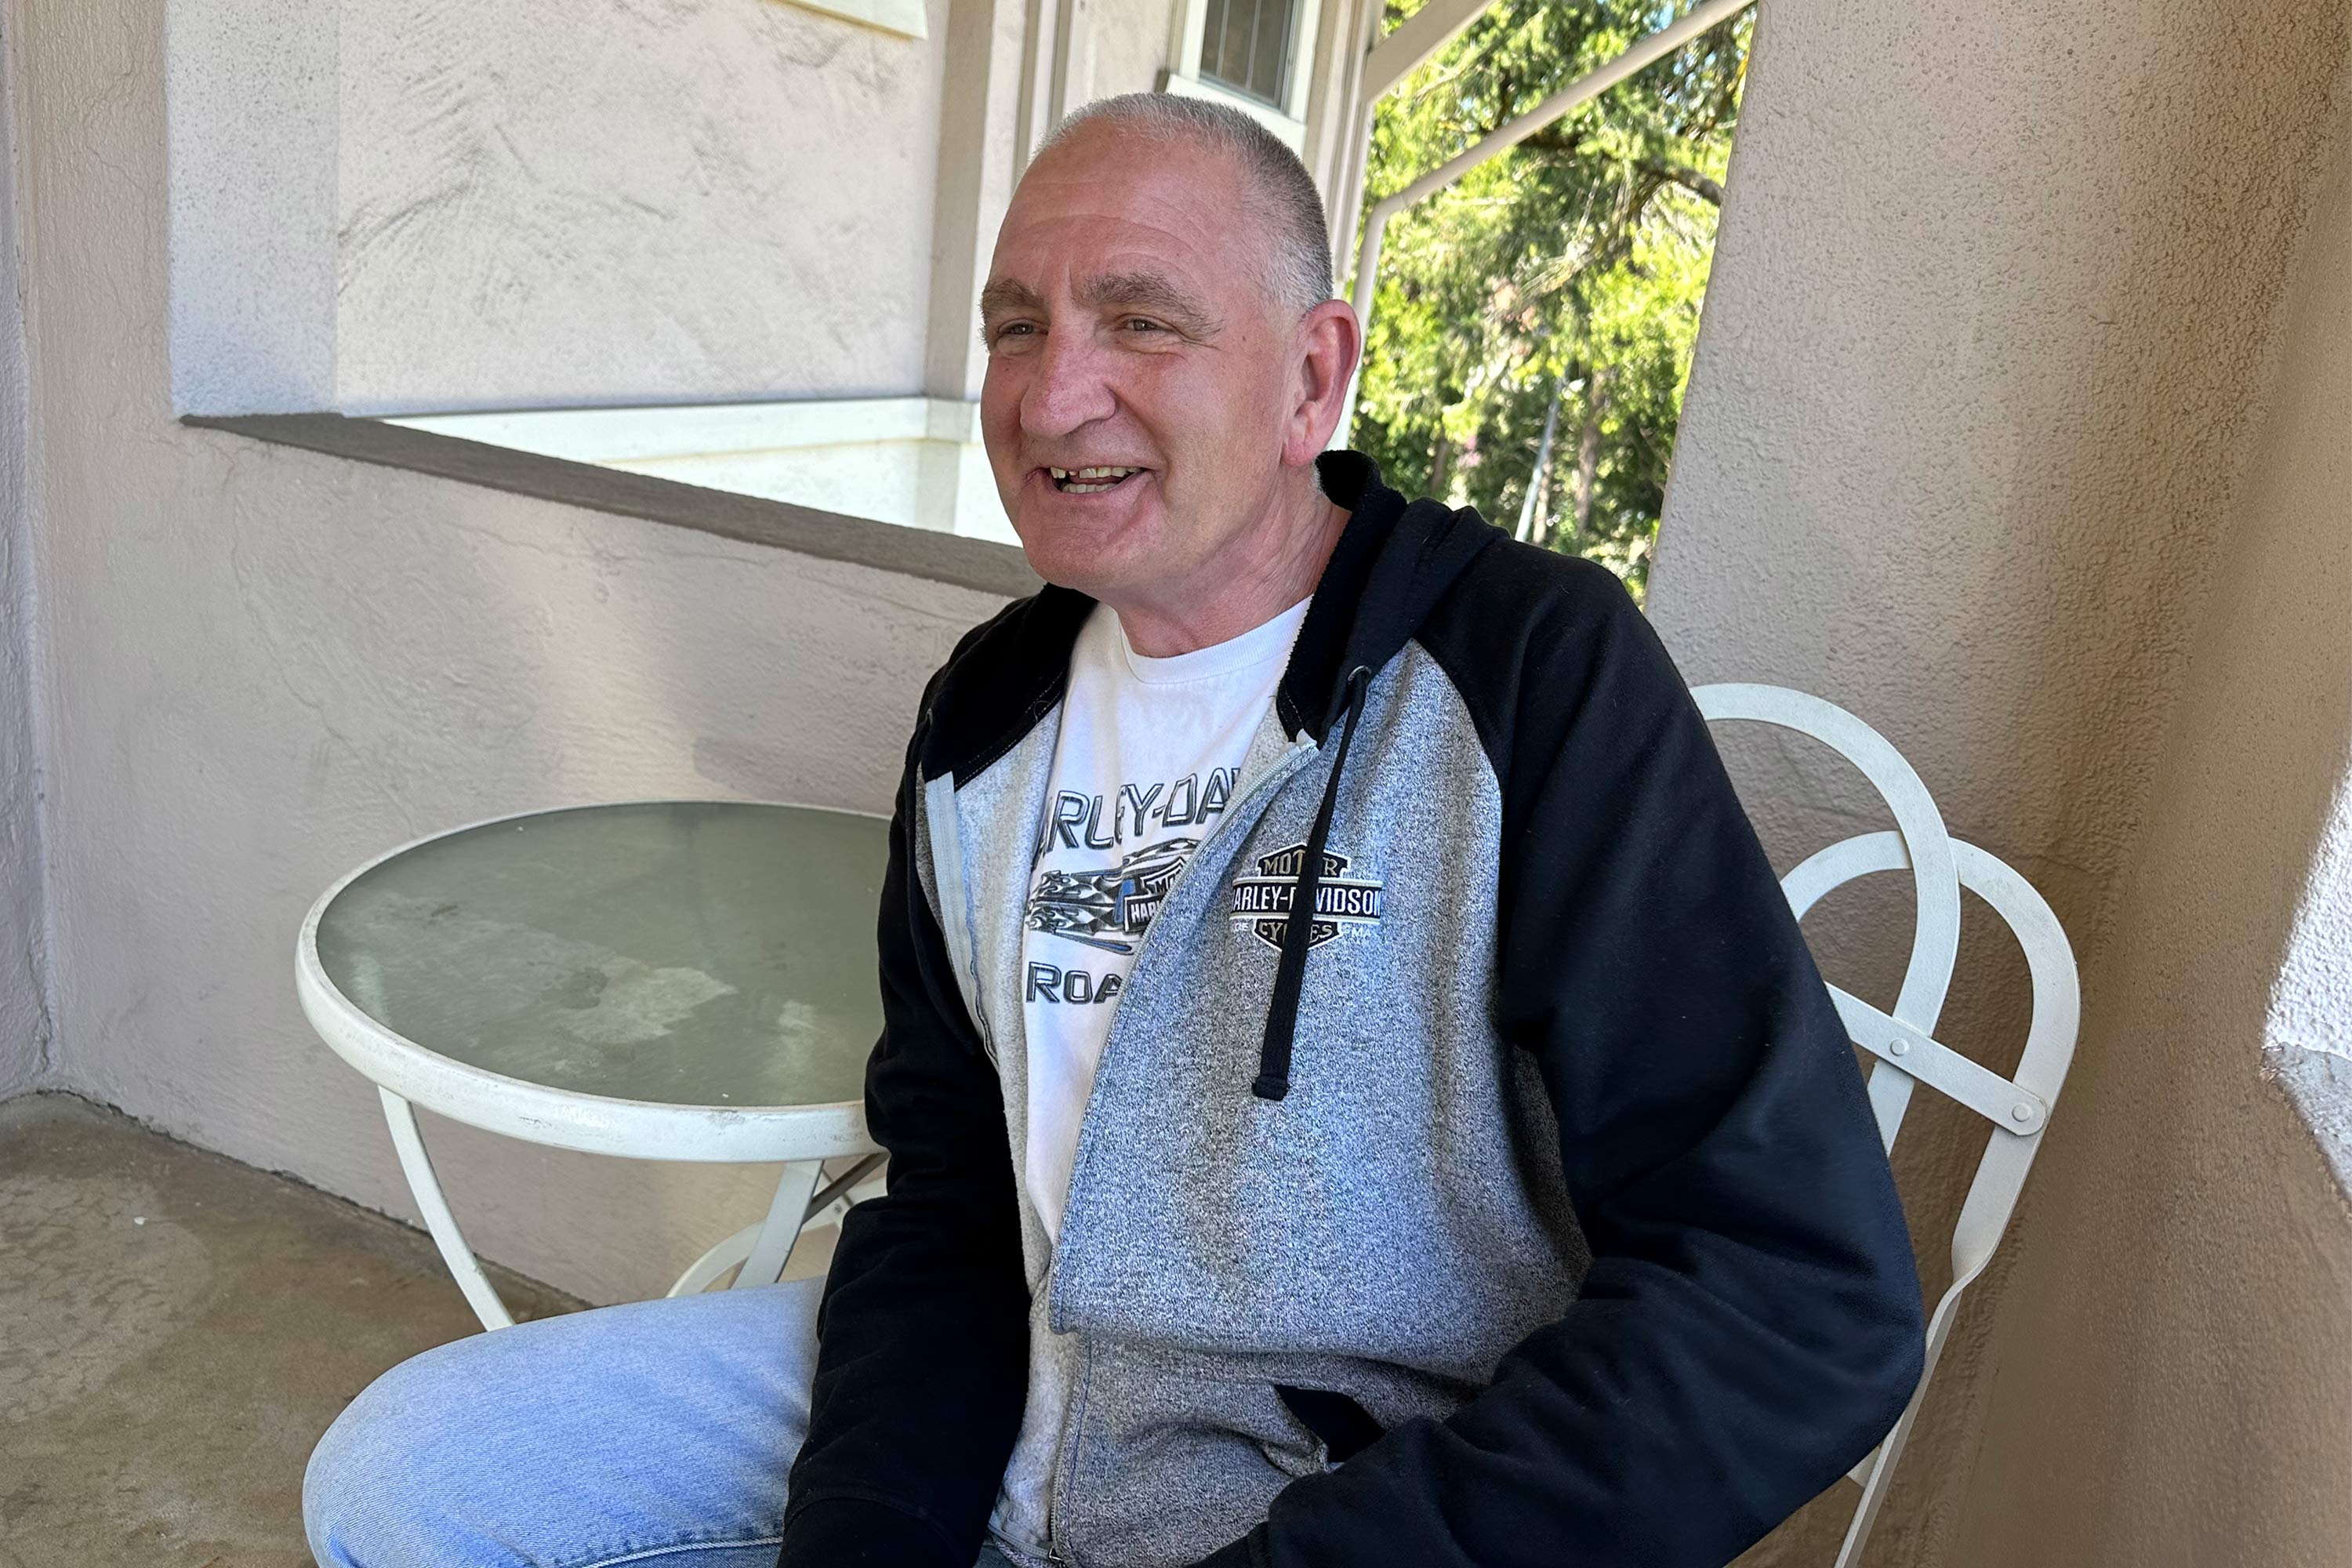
(1571, 268)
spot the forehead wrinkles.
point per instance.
(1176, 279)
(1186, 215)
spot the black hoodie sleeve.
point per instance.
(1751, 1324)
(923, 1347)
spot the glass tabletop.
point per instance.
(691, 952)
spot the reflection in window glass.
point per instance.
(1246, 46)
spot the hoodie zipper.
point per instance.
(1057, 1550)
(1280, 771)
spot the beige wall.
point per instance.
(23, 952)
(1982, 442)
(2173, 1383)
(261, 666)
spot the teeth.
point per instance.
(1113, 474)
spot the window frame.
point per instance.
(1286, 120)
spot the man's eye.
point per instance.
(1141, 324)
(1012, 330)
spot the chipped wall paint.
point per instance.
(283, 662)
(1983, 388)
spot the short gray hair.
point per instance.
(1300, 245)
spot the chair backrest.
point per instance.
(1903, 1040)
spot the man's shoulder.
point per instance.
(1526, 634)
(982, 696)
(1526, 583)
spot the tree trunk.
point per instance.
(1540, 480)
(1441, 466)
(1588, 452)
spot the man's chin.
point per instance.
(1075, 558)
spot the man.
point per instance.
(1355, 1094)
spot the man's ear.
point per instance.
(1328, 343)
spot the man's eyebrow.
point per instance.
(1005, 294)
(1147, 291)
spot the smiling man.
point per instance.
(1354, 1091)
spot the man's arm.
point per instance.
(1751, 1324)
(923, 1347)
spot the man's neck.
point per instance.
(1280, 567)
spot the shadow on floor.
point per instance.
(176, 1330)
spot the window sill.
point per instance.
(966, 562)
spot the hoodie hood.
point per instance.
(1394, 563)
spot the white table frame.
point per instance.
(408, 1075)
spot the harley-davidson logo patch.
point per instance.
(1264, 902)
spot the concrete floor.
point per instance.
(176, 1330)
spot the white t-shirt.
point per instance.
(1149, 754)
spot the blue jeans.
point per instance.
(654, 1433)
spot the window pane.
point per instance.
(1246, 46)
(1268, 76)
(1212, 39)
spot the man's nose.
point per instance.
(1071, 388)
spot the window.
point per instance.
(1245, 45)
(1251, 54)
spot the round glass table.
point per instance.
(662, 979)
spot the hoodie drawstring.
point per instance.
(1290, 974)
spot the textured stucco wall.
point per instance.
(2308, 504)
(1996, 306)
(433, 205)
(251, 89)
(2173, 1384)
(428, 205)
(543, 203)
(2305, 588)
(23, 968)
(280, 662)
(1132, 42)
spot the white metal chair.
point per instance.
(1903, 1040)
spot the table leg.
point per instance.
(782, 1228)
(426, 1189)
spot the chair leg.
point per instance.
(1879, 1472)
(426, 1187)
(1880, 1467)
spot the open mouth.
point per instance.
(1089, 481)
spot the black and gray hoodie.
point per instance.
(1521, 1206)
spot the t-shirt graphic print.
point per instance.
(1150, 752)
